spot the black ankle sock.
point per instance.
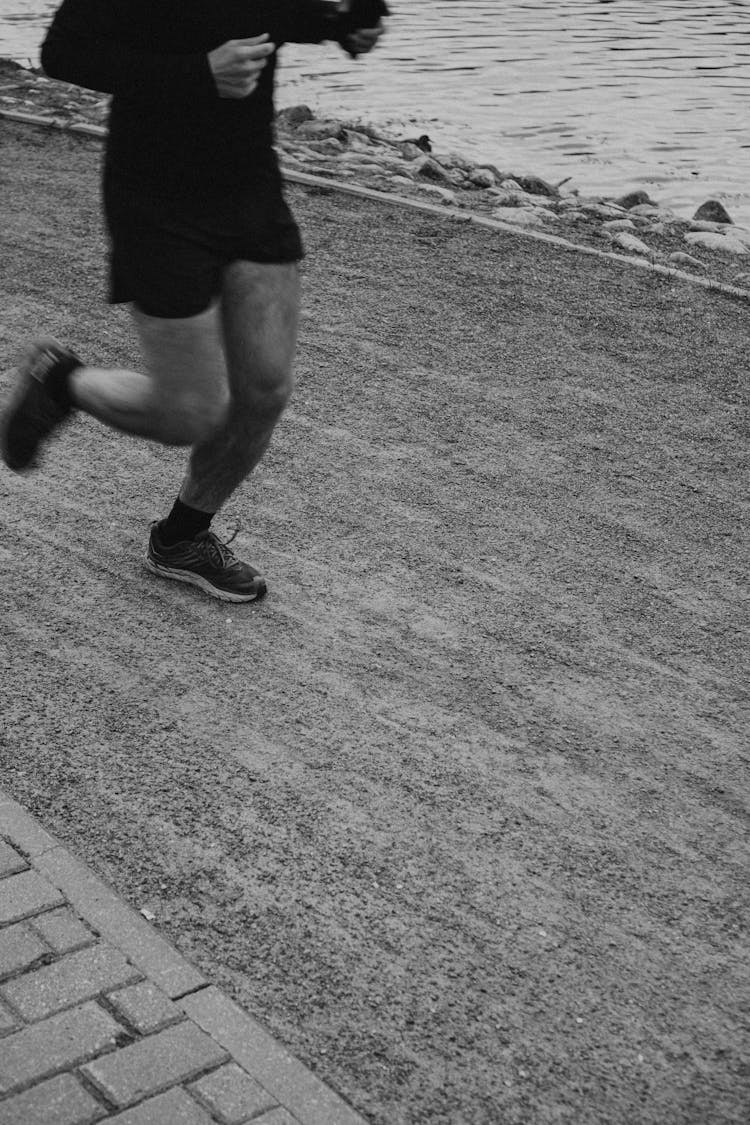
(58, 381)
(182, 523)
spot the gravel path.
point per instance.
(460, 811)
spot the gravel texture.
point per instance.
(460, 811)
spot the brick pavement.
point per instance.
(101, 1019)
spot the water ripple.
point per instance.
(600, 91)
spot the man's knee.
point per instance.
(190, 419)
(267, 391)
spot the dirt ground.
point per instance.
(460, 812)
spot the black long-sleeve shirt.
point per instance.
(169, 130)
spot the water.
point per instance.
(631, 93)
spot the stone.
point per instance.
(713, 212)
(423, 142)
(429, 169)
(619, 224)
(295, 115)
(632, 244)
(404, 181)
(410, 151)
(680, 258)
(634, 199)
(482, 178)
(534, 185)
(602, 210)
(704, 224)
(359, 142)
(441, 193)
(518, 216)
(722, 242)
(328, 146)
(645, 210)
(321, 130)
(509, 184)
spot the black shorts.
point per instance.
(168, 253)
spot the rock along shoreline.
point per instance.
(708, 245)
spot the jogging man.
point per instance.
(204, 249)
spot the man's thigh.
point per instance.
(183, 356)
(260, 314)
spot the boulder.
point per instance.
(410, 151)
(295, 115)
(712, 241)
(322, 130)
(713, 212)
(328, 146)
(424, 143)
(429, 169)
(536, 186)
(634, 199)
(360, 142)
(441, 193)
(705, 225)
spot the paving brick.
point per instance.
(77, 977)
(232, 1095)
(145, 1007)
(8, 1021)
(105, 912)
(60, 1042)
(25, 894)
(173, 1108)
(10, 860)
(277, 1117)
(284, 1076)
(20, 947)
(59, 1101)
(63, 931)
(153, 1064)
(22, 829)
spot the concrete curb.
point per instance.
(78, 1049)
(435, 209)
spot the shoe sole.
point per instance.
(203, 584)
(25, 380)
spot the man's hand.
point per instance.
(236, 65)
(360, 40)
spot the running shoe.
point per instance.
(37, 407)
(208, 563)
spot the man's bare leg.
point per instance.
(259, 315)
(182, 395)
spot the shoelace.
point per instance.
(217, 553)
